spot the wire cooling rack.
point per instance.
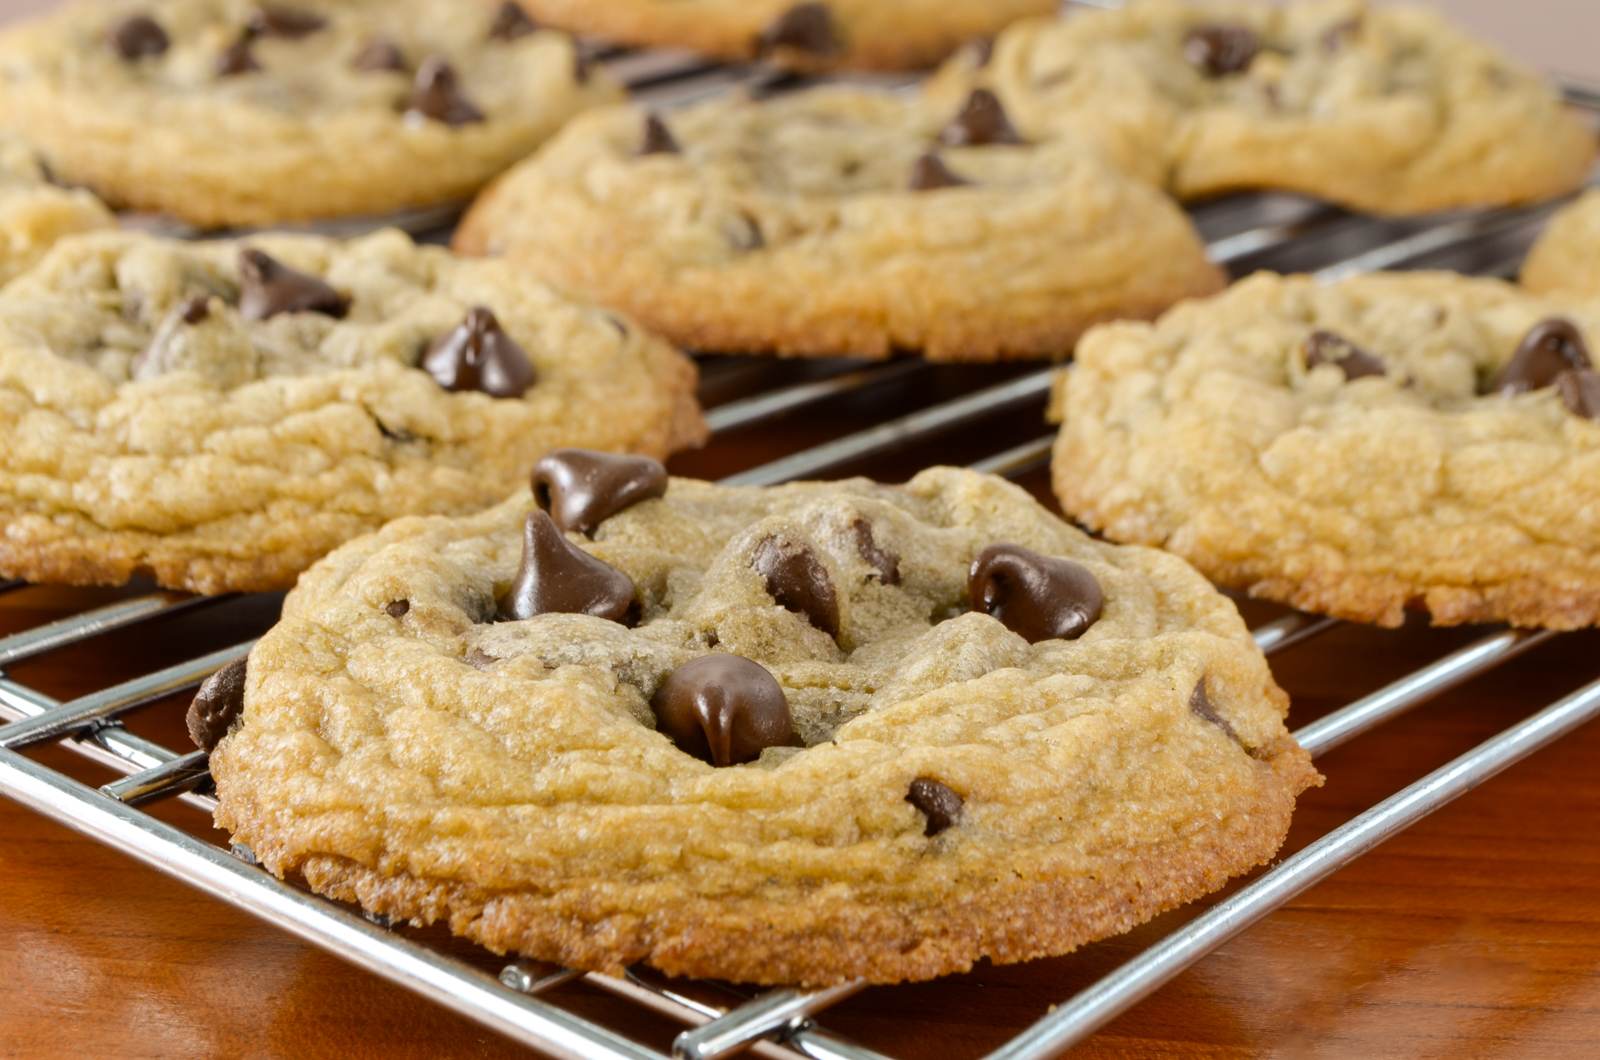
(991, 420)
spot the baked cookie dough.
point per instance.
(1567, 255)
(1389, 442)
(1390, 110)
(841, 222)
(34, 213)
(228, 112)
(863, 34)
(786, 735)
(220, 415)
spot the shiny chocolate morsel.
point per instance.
(581, 488)
(981, 122)
(397, 608)
(886, 563)
(280, 20)
(806, 28)
(477, 354)
(723, 709)
(379, 54)
(558, 577)
(1580, 392)
(1220, 49)
(929, 173)
(1551, 347)
(658, 138)
(510, 22)
(436, 94)
(138, 37)
(1329, 347)
(938, 803)
(798, 582)
(268, 287)
(1035, 596)
(216, 706)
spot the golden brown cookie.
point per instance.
(1399, 441)
(787, 735)
(35, 213)
(230, 112)
(220, 415)
(1567, 255)
(841, 222)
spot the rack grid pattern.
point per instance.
(523, 1002)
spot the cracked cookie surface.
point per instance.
(226, 112)
(1357, 448)
(841, 222)
(34, 213)
(862, 34)
(158, 413)
(953, 789)
(1387, 110)
(1567, 255)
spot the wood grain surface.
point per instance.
(1474, 934)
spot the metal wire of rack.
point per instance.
(1244, 233)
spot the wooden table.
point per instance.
(1476, 933)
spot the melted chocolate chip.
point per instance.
(238, 58)
(510, 22)
(723, 709)
(268, 287)
(804, 28)
(798, 581)
(886, 563)
(378, 54)
(398, 608)
(194, 309)
(1328, 347)
(1550, 348)
(1580, 392)
(138, 37)
(1221, 49)
(277, 20)
(581, 488)
(1200, 703)
(658, 139)
(477, 354)
(981, 122)
(558, 577)
(436, 94)
(1038, 597)
(217, 705)
(929, 173)
(940, 805)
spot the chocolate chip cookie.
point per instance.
(841, 222)
(220, 415)
(1390, 442)
(34, 212)
(808, 35)
(1388, 110)
(229, 112)
(1567, 255)
(787, 735)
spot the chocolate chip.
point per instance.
(558, 577)
(139, 37)
(929, 173)
(277, 20)
(216, 706)
(1328, 347)
(1550, 348)
(581, 488)
(194, 309)
(981, 122)
(1221, 49)
(398, 608)
(658, 139)
(723, 709)
(268, 287)
(803, 28)
(378, 54)
(1200, 703)
(1039, 597)
(886, 563)
(238, 58)
(477, 354)
(798, 581)
(1580, 392)
(436, 94)
(511, 22)
(940, 805)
